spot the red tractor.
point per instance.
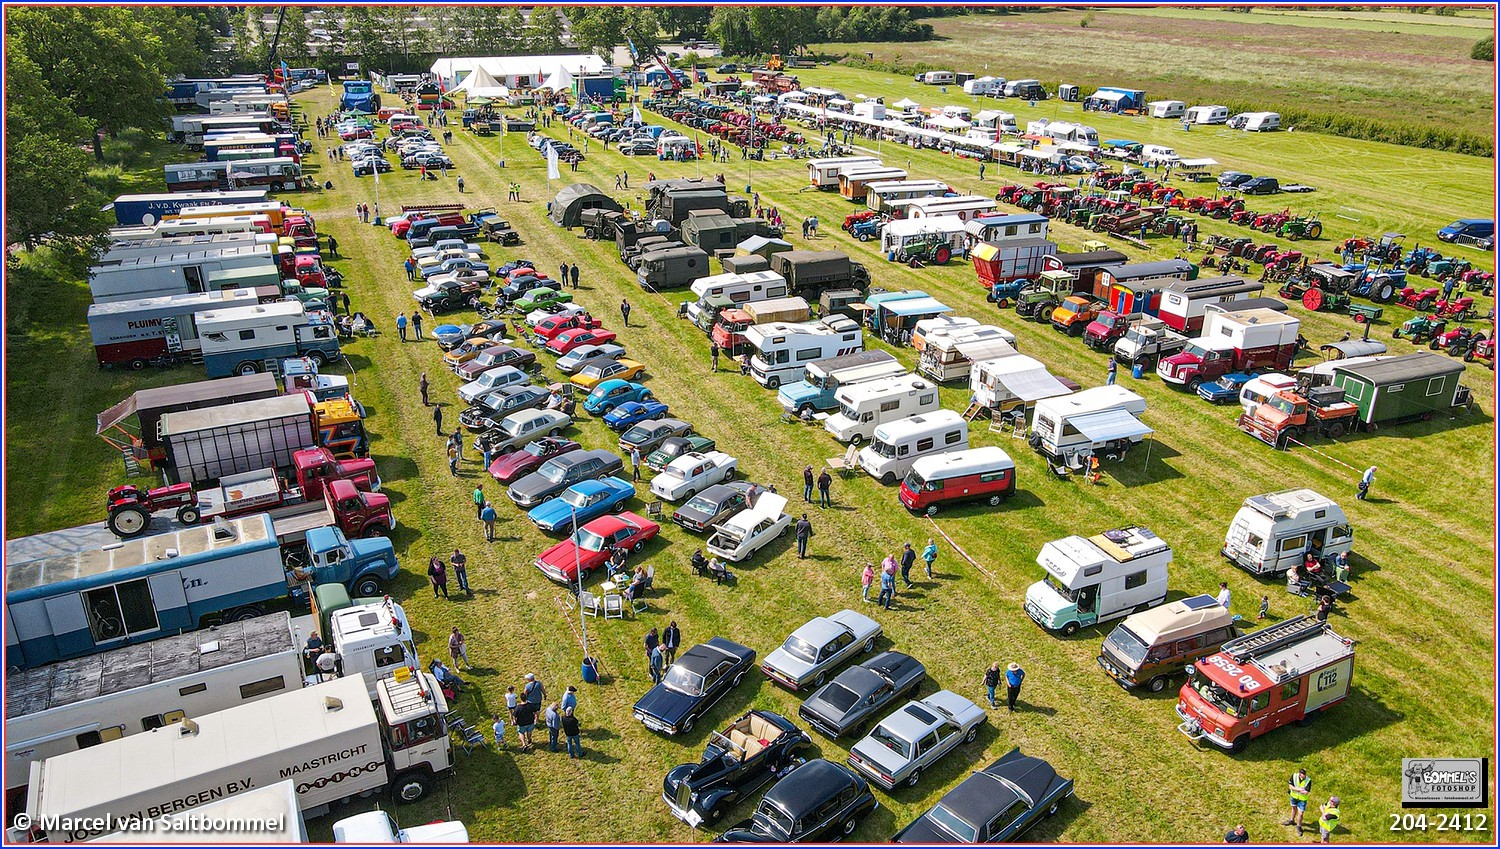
(124, 504)
(1481, 348)
(1270, 221)
(1009, 194)
(854, 218)
(1243, 217)
(1222, 207)
(1455, 341)
(1458, 309)
(1279, 259)
(1422, 301)
(1476, 280)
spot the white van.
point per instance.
(1103, 577)
(1073, 427)
(898, 444)
(783, 350)
(984, 86)
(1153, 153)
(1166, 108)
(1272, 533)
(1258, 389)
(1207, 115)
(865, 406)
(939, 78)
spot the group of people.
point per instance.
(661, 650)
(893, 565)
(437, 573)
(415, 322)
(559, 718)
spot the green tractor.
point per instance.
(1301, 227)
(1420, 329)
(930, 249)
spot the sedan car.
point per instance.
(675, 446)
(518, 464)
(638, 147)
(370, 165)
(577, 337)
(518, 429)
(915, 737)
(691, 473)
(454, 265)
(493, 357)
(1230, 179)
(561, 472)
(582, 502)
(1225, 390)
(994, 805)
(589, 547)
(749, 530)
(846, 704)
(541, 297)
(813, 650)
(754, 749)
(591, 374)
(817, 802)
(646, 436)
(510, 356)
(693, 684)
(712, 506)
(634, 412)
(570, 362)
(468, 276)
(492, 409)
(612, 393)
(554, 324)
(492, 379)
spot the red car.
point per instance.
(356, 133)
(550, 328)
(591, 545)
(566, 341)
(511, 467)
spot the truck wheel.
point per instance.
(318, 358)
(888, 478)
(1194, 383)
(807, 409)
(1335, 430)
(1070, 629)
(1307, 719)
(773, 383)
(367, 587)
(374, 530)
(1076, 329)
(1157, 684)
(410, 787)
(189, 515)
(247, 367)
(246, 613)
(1240, 744)
(1385, 293)
(136, 364)
(128, 521)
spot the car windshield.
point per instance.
(883, 448)
(1108, 319)
(637, 434)
(949, 822)
(592, 371)
(1072, 306)
(511, 427)
(575, 498)
(1285, 405)
(1218, 696)
(840, 697)
(554, 471)
(587, 540)
(683, 681)
(800, 649)
(776, 820)
(1060, 588)
(1228, 382)
(1128, 644)
(884, 737)
(914, 482)
(536, 449)
(1196, 350)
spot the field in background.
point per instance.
(1423, 612)
(1389, 66)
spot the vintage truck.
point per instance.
(813, 271)
(1247, 341)
(1147, 341)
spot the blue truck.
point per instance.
(359, 95)
(364, 566)
(133, 210)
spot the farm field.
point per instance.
(1422, 612)
(1372, 64)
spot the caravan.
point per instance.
(1255, 122)
(950, 356)
(1073, 427)
(1166, 108)
(1012, 382)
(962, 207)
(1024, 89)
(865, 406)
(879, 196)
(854, 182)
(947, 230)
(782, 350)
(898, 444)
(1207, 115)
(993, 121)
(824, 173)
(1103, 577)
(939, 78)
(1272, 533)
(984, 86)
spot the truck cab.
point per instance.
(315, 467)
(363, 565)
(1073, 315)
(1099, 578)
(1289, 414)
(359, 513)
(729, 330)
(300, 374)
(1102, 332)
(1146, 342)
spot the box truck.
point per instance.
(1248, 341)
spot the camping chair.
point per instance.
(588, 603)
(1058, 468)
(653, 509)
(471, 739)
(614, 606)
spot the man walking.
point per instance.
(345, 297)
(437, 418)
(825, 483)
(423, 386)
(460, 570)
(625, 311)
(478, 500)
(570, 731)
(1366, 481)
(929, 555)
(533, 692)
(908, 558)
(333, 248)
(1014, 675)
(401, 325)
(635, 462)
(416, 323)
(658, 663)
(991, 681)
(1109, 374)
(887, 589)
(671, 638)
(1299, 790)
(452, 459)
(713, 356)
(804, 533)
(573, 275)
(807, 484)
(487, 515)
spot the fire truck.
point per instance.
(1284, 673)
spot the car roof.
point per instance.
(912, 721)
(704, 657)
(1032, 775)
(809, 785)
(606, 525)
(819, 630)
(978, 797)
(859, 680)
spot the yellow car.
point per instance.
(470, 349)
(593, 374)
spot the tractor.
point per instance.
(1422, 301)
(1280, 260)
(1301, 227)
(1354, 246)
(1481, 348)
(854, 218)
(1318, 299)
(1388, 249)
(1444, 267)
(1242, 217)
(1419, 329)
(1419, 258)
(927, 250)
(1038, 298)
(867, 229)
(1458, 309)
(1454, 341)
(129, 507)
(1377, 284)
(1270, 222)
(1477, 280)
(1222, 207)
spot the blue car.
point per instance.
(455, 265)
(583, 501)
(1468, 230)
(612, 393)
(634, 412)
(1225, 390)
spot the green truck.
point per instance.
(1391, 390)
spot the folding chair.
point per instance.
(471, 739)
(588, 603)
(614, 606)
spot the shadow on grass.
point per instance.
(1358, 716)
(1144, 464)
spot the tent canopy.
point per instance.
(573, 200)
(906, 103)
(917, 306)
(1109, 425)
(482, 84)
(1027, 378)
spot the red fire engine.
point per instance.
(1287, 672)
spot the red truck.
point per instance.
(729, 330)
(1290, 414)
(1247, 341)
(1103, 332)
(1284, 673)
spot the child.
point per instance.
(1265, 607)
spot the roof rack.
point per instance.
(1275, 636)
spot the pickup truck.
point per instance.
(1073, 315)
(447, 294)
(1103, 332)
(1148, 341)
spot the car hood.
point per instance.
(667, 705)
(534, 485)
(560, 556)
(426, 292)
(922, 831)
(783, 661)
(551, 514)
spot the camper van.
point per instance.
(824, 173)
(939, 78)
(782, 350)
(941, 325)
(1255, 122)
(735, 289)
(898, 444)
(823, 378)
(1151, 647)
(947, 229)
(1272, 533)
(1025, 89)
(1207, 115)
(1005, 383)
(950, 356)
(1099, 578)
(865, 406)
(1166, 108)
(962, 207)
(1073, 427)
(973, 474)
(991, 121)
(879, 195)
(984, 86)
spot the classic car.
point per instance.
(492, 408)
(822, 643)
(747, 531)
(538, 298)
(582, 502)
(518, 429)
(915, 737)
(517, 464)
(633, 412)
(493, 357)
(612, 393)
(575, 359)
(740, 759)
(492, 379)
(450, 336)
(647, 435)
(818, 801)
(567, 340)
(693, 684)
(712, 506)
(675, 446)
(592, 374)
(588, 548)
(1225, 390)
(447, 249)
(692, 473)
(561, 472)
(846, 704)
(558, 310)
(994, 805)
(519, 358)
(447, 293)
(555, 324)
(454, 265)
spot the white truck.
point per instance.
(1146, 342)
(1272, 533)
(783, 350)
(1071, 428)
(379, 827)
(722, 290)
(331, 739)
(263, 815)
(865, 406)
(1099, 578)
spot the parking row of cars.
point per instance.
(411, 142)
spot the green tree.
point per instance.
(402, 36)
(684, 22)
(600, 28)
(782, 29)
(1484, 50)
(295, 44)
(730, 26)
(544, 34)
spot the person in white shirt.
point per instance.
(1224, 595)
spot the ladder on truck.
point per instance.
(1275, 636)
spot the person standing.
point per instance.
(1109, 373)
(416, 323)
(713, 356)
(1366, 481)
(1237, 835)
(460, 564)
(867, 578)
(401, 325)
(671, 638)
(908, 559)
(825, 484)
(452, 459)
(570, 731)
(625, 311)
(437, 575)
(1014, 675)
(499, 729)
(553, 720)
(345, 297)
(635, 462)
(929, 555)
(1328, 819)
(479, 501)
(437, 418)
(991, 681)
(573, 275)
(1265, 607)
(1223, 596)
(533, 693)
(562, 274)
(981, 170)
(804, 533)
(570, 698)
(887, 589)
(525, 723)
(458, 649)
(333, 248)
(807, 484)
(657, 663)
(488, 515)
(457, 439)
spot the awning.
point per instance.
(905, 103)
(1109, 425)
(916, 306)
(1352, 348)
(1033, 385)
(1197, 163)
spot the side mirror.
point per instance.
(1190, 670)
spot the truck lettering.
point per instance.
(142, 325)
(193, 800)
(315, 763)
(1327, 678)
(1246, 682)
(194, 583)
(338, 777)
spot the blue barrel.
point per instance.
(1138, 371)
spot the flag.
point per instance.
(286, 73)
(553, 172)
(635, 114)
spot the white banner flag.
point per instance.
(553, 172)
(635, 114)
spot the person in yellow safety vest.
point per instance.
(1328, 820)
(1298, 788)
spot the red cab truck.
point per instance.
(1247, 341)
(1284, 673)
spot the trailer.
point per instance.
(1185, 302)
(133, 278)
(854, 183)
(133, 210)
(248, 339)
(881, 194)
(1004, 267)
(203, 445)
(264, 815)
(1000, 228)
(962, 207)
(1012, 382)
(824, 173)
(158, 331)
(1392, 390)
(951, 357)
(1086, 267)
(168, 245)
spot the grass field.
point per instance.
(1373, 64)
(1424, 598)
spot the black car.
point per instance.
(1260, 186)
(638, 148)
(730, 68)
(525, 283)
(712, 506)
(561, 472)
(699, 678)
(495, 406)
(994, 805)
(754, 749)
(1230, 179)
(845, 704)
(814, 802)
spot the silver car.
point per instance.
(915, 737)
(813, 650)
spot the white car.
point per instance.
(537, 316)
(747, 531)
(469, 250)
(495, 378)
(692, 473)
(813, 650)
(573, 360)
(915, 737)
(438, 257)
(463, 275)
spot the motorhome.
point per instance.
(1072, 428)
(951, 357)
(1095, 579)
(898, 444)
(823, 378)
(1207, 115)
(239, 340)
(721, 290)
(1273, 533)
(783, 351)
(824, 173)
(1150, 648)
(855, 182)
(1012, 382)
(984, 86)
(941, 325)
(962, 207)
(157, 331)
(974, 474)
(880, 194)
(865, 406)
(946, 230)
(138, 277)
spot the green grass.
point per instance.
(1423, 577)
